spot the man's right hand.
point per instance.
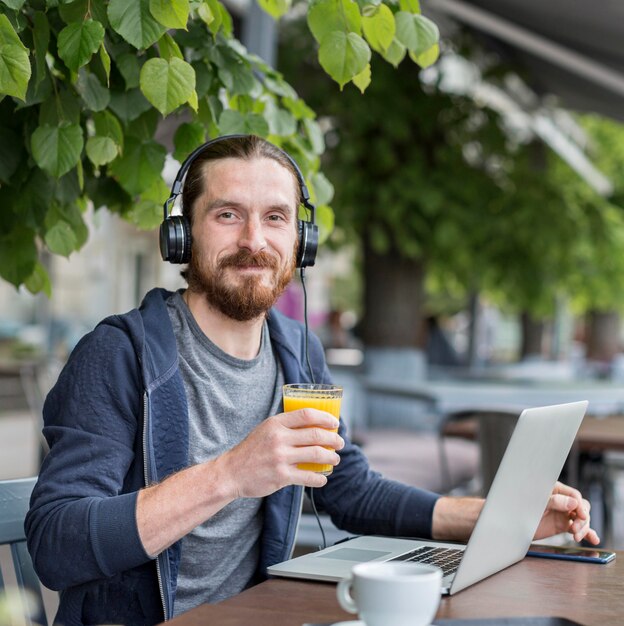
(261, 464)
(267, 459)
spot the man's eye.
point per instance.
(226, 215)
(276, 218)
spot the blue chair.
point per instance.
(14, 502)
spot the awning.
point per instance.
(572, 48)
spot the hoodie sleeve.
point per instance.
(362, 501)
(81, 525)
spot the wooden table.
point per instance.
(584, 592)
(598, 434)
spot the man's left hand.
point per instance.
(567, 511)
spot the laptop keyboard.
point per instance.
(446, 559)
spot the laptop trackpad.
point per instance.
(353, 554)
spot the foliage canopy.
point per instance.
(84, 85)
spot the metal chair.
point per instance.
(14, 502)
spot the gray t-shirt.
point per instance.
(227, 398)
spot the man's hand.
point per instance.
(267, 459)
(567, 511)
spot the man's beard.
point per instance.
(249, 298)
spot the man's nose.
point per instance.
(252, 236)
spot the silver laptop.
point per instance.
(518, 496)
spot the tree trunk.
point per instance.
(603, 335)
(532, 336)
(393, 298)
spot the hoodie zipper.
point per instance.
(147, 483)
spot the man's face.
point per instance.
(244, 236)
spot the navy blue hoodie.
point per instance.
(115, 422)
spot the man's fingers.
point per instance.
(309, 479)
(309, 417)
(314, 454)
(316, 437)
(566, 490)
(562, 503)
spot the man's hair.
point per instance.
(245, 147)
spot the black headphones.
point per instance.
(175, 231)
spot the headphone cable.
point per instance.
(307, 357)
(307, 329)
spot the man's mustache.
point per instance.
(244, 258)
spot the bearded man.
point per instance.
(172, 476)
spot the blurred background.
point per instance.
(473, 264)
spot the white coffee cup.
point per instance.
(392, 594)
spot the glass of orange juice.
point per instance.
(308, 396)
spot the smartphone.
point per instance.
(588, 555)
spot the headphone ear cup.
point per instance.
(175, 239)
(308, 243)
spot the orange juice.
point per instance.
(322, 397)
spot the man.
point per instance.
(172, 475)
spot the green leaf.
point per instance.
(144, 127)
(16, 5)
(235, 123)
(203, 78)
(256, 125)
(275, 8)
(140, 165)
(147, 212)
(78, 42)
(368, 8)
(65, 108)
(128, 105)
(411, 6)
(106, 63)
(379, 29)
(237, 77)
(315, 135)
(94, 94)
(41, 40)
(57, 149)
(39, 281)
(226, 20)
(167, 84)
(18, 254)
(169, 48)
(205, 13)
(281, 122)
(395, 53)
(325, 219)
(298, 108)
(428, 57)
(212, 9)
(130, 68)
(107, 125)
(101, 150)
(14, 62)
(10, 153)
(187, 137)
(193, 101)
(65, 229)
(343, 56)
(416, 32)
(74, 11)
(327, 16)
(134, 22)
(363, 79)
(279, 86)
(323, 189)
(171, 13)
